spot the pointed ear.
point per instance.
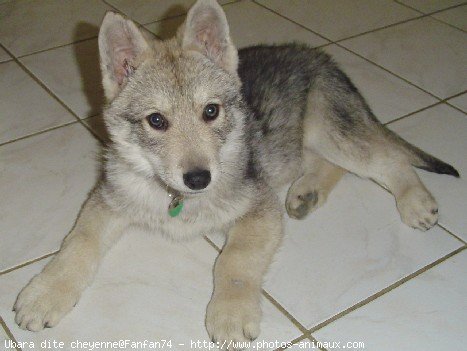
(206, 30)
(121, 46)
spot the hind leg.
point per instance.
(389, 168)
(311, 190)
(355, 141)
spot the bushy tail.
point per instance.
(420, 159)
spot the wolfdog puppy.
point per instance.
(201, 135)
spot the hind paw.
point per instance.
(299, 205)
(418, 209)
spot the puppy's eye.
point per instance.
(211, 112)
(157, 121)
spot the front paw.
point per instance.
(233, 323)
(43, 303)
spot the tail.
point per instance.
(420, 159)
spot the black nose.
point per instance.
(197, 179)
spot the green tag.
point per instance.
(175, 207)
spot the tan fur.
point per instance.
(53, 293)
(310, 191)
(375, 156)
(234, 311)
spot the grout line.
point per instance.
(116, 9)
(37, 133)
(27, 263)
(408, 6)
(52, 94)
(343, 47)
(389, 71)
(180, 14)
(381, 28)
(447, 24)
(155, 21)
(432, 12)
(315, 342)
(163, 19)
(95, 134)
(167, 18)
(444, 101)
(350, 37)
(286, 313)
(92, 116)
(338, 43)
(385, 290)
(56, 47)
(95, 36)
(455, 107)
(9, 333)
(323, 45)
(441, 100)
(139, 24)
(53, 128)
(291, 20)
(423, 15)
(412, 113)
(436, 12)
(293, 341)
(456, 95)
(449, 232)
(306, 337)
(210, 242)
(7, 60)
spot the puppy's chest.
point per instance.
(199, 216)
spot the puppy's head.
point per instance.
(174, 107)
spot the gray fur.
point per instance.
(277, 81)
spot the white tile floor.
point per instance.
(351, 272)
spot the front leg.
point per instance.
(234, 312)
(52, 293)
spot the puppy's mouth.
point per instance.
(186, 193)
(193, 192)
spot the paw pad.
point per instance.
(299, 206)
